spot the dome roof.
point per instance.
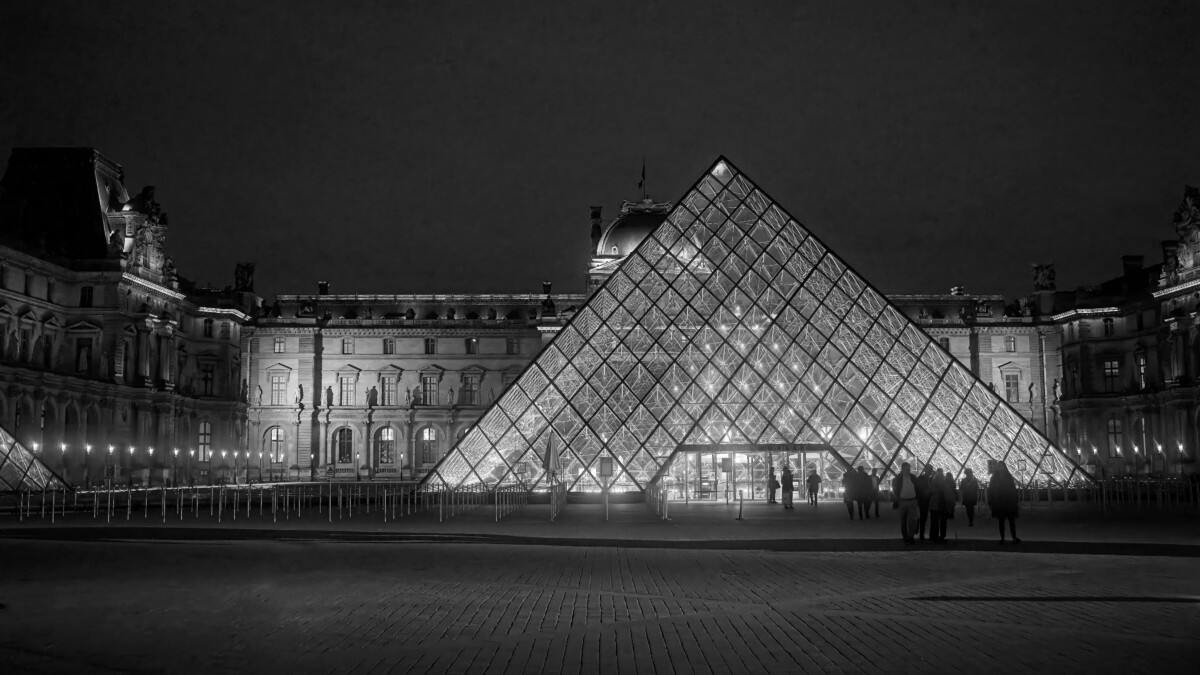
(636, 222)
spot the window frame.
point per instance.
(1012, 387)
(429, 385)
(346, 386)
(343, 440)
(206, 328)
(204, 440)
(278, 384)
(280, 345)
(1115, 436)
(428, 442)
(273, 444)
(1111, 369)
(471, 345)
(347, 345)
(1010, 344)
(1108, 327)
(389, 448)
(389, 345)
(430, 345)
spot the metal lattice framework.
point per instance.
(20, 469)
(732, 325)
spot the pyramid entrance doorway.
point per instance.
(718, 472)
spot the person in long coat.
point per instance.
(789, 486)
(1002, 498)
(849, 490)
(863, 493)
(922, 482)
(772, 486)
(937, 508)
(969, 487)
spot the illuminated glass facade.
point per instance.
(21, 470)
(733, 326)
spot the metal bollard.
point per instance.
(741, 504)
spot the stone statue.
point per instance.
(1187, 216)
(170, 276)
(491, 395)
(328, 397)
(1057, 389)
(243, 277)
(299, 394)
(104, 365)
(1031, 392)
(368, 313)
(491, 314)
(416, 394)
(983, 308)
(1043, 277)
(372, 397)
(258, 395)
(923, 313)
(452, 400)
(116, 244)
(245, 395)
(143, 202)
(407, 397)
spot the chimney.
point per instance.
(597, 229)
(1132, 264)
(322, 288)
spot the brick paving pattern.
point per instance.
(305, 606)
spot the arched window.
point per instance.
(428, 445)
(343, 442)
(274, 444)
(385, 445)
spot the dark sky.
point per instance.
(456, 146)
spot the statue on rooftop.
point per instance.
(1043, 277)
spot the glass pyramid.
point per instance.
(731, 325)
(20, 469)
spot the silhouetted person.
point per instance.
(875, 480)
(941, 503)
(904, 498)
(814, 486)
(923, 498)
(970, 495)
(789, 486)
(864, 492)
(1002, 498)
(848, 484)
(772, 486)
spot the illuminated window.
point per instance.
(428, 445)
(1115, 437)
(389, 345)
(85, 296)
(1112, 375)
(274, 444)
(472, 345)
(278, 389)
(204, 440)
(346, 385)
(280, 345)
(429, 389)
(347, 345)
(1012, 387)
(430, 345)
(1108, 327)
(343, 443)
(1010, 344)
(389, 391)
(385, 445)
(1141, 370)
(208, 328)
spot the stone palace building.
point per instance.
(107, 351)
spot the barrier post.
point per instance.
(741, 504)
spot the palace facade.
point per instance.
(105, 344)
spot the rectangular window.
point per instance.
(205, 441)
(1010, 344)
(944, 343)
(472, 345)
(208, 328)
(514, 346)
(389, 345)
(1115, 437)
(1012, 387)
(1141, 369)
(1108, 327)
(1112, 375)
(389, 391)
(430, 345)
(346, 384)
(225, 330)
(429, 390)
(347, 345)
(208, 373)
(278, 389)
(471, 390)
(280, 345)
(85, 296)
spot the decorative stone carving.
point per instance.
(1043, 277)
(243, 277)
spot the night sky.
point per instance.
(456, 147)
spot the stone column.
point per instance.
(143, 356)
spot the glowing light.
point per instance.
(110, 449)
(131, 449)
(176, 452)
(63, 446)
(151, 452)
(35, 448)
(88, 448)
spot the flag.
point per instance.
(642, 182)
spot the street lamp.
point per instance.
(175, 469)
(87, 465)
(150, 468)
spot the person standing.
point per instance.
(937, 507)
(789, 486)
(772, 485)
(922, 483)
(970, 495)
(864, 493)
(875, 480)
(814, 486)
(904, 498)
(1002, 498)
(848, 489)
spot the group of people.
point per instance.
(813, 483)
(862, 489)
(931, 497)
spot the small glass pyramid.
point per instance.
(732, 325)
(21, 470)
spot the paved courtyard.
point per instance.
(328, 606)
